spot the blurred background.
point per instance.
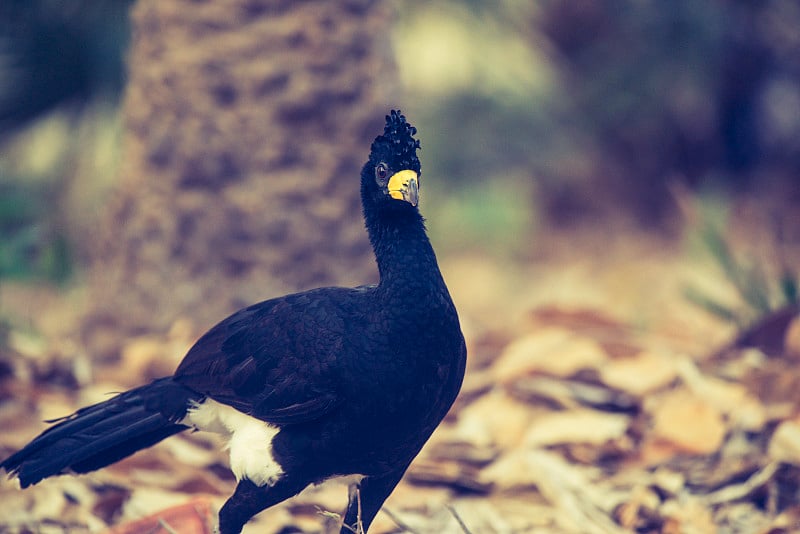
(159, 167)
(535, 119)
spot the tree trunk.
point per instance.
(246, 125)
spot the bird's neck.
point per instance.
(405, 257)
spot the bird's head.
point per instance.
(390, 179)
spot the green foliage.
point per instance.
(788, 284)
(758, 293)
(5, 331)
(494, 216)
(33, 244)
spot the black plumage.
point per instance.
(324, 383)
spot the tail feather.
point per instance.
(101, 434)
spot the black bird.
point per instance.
(331, 382)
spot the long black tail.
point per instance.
(101, 434)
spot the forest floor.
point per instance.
(598, 399)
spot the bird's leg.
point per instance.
(366, 499)
(249, 499)
(354, 496)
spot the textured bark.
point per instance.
(246, 124)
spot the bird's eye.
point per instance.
(381, 172)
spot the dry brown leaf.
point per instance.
(566, 394)
(147, 357)
(687, 516)
(668, 482)
(461, 451)
(479, 515)
(448, 474)
(743, 517)
(613, 335)
(576, 426)
(495, 419)
(330, 496)
(61, 505)
(786, 522)
(194, 517)
(551, 351)
(190, 452)
(791, 341)
(784, 446)
(584, 505)
(512, 471)
(139, 352)
(640, 506)
(148, 500)
(407, 496)
(641, 374)
(742, 409)
(52, 406)
(738, 491)
(18, 506)
(276, 520)
(687, 422)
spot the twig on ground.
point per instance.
(166, 526)
(458, 519)
(400, 523)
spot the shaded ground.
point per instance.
(597, 399)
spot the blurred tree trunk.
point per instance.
(246, 125)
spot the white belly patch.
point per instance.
(249, 440)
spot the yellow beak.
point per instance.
(404, 185)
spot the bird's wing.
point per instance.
(277, 360)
